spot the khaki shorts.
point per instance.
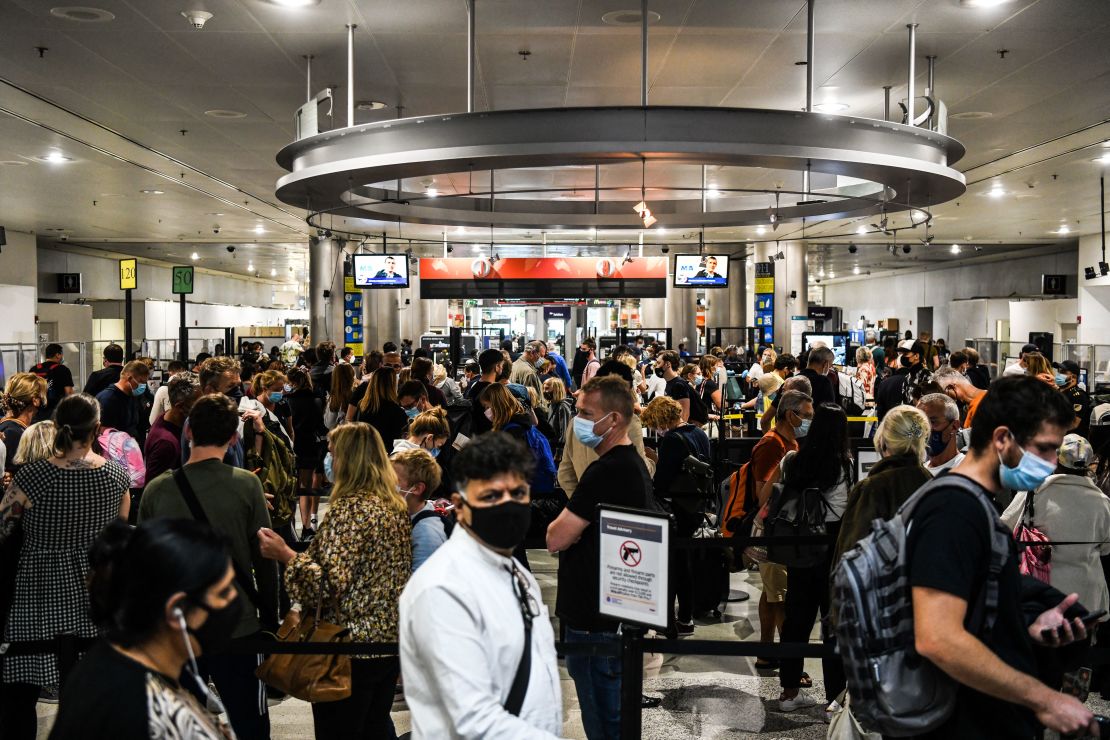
(774, 582)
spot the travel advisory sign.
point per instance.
(634, 584)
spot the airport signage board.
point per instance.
(543, 279)
(633, 570)
(183, 279)
(128, 274)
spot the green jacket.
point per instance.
(878, 496)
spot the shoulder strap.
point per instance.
(426, 514)
(190, 496)
(519, 689)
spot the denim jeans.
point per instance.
(597, 681)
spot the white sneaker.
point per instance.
(801, 701)
(831, 710)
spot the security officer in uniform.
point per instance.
(1067, 378)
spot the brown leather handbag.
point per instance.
(311, 678)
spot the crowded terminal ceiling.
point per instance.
(127, 130)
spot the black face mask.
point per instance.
(215, 634)
(503, 526)
(235, 393)
(659, 372)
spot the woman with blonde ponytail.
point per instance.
(23, 396)
(62, 503)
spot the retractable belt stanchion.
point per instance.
(632, 681)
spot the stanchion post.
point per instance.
(67, 655)
(632, 681)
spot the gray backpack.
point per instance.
(894, 690)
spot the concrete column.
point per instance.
(414, 316)
(325, 273)
(791, 276)
(681, 313)
(653, 312)
(738, 309)
(383, 320)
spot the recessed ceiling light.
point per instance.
(250, 268)
(224, 113)
(855, 269)
(955, 249)
(273, 272)
(982, 3)
(1063, 230)
(628, 17)
(82, 14)
(831, 107)
(194, 256)
(294, 3)
(996, 192)
(152, 191)
(1104, 159)
(54, 158)
(12, 163)
(971, 115)
(259, 230)
(213, 214)
(760, 230)
(861, 230)
(431, 192)
(832, 275)
(712, 193)
(370, 105)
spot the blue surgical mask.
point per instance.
(802, 429)
(539, 364)
(412, 413)
(276, 396)
(434, 452)
(1029, 474)
(288, 388)
(327, 468)
(584, 431)
(698, 381)
(1061, 380)
(140, 390)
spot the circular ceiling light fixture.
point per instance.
(54, 158)
(82, 14)
(370, 105)
(831, 107)
(971, 115)
(351, 172)
(224, 113)
(629, 17)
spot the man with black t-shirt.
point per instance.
(1014, 438)
(109, 375)
(619, 477)
(1067, 379)
(817, 370)
(677, 388)
(489, 362)
(59, 380)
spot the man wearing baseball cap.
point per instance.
(1067, 380)
(903, 387)
(1069, 507)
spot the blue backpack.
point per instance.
(543, 479)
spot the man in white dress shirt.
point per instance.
(466, 612)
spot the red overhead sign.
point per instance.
(543, 268)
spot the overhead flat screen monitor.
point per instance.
(836, 341)
(381, 270)
(701, 271)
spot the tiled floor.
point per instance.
(704, 698)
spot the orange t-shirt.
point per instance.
(972, 408)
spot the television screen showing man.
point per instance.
(707, 271)
(381, 271)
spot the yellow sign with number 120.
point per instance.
(128, 274)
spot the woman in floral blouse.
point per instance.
(865, 370)
(359, 561)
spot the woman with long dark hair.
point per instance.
(825, 463)
(161, 594)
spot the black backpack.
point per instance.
(696, 479)
(796, 512)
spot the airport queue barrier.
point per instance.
(633, 644)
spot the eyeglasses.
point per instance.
(529, 607)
